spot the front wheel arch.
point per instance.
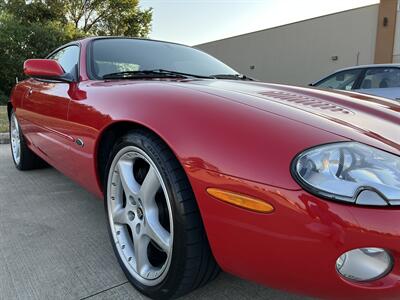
(107, 140)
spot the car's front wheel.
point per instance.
(155, 225)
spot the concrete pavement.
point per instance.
(54, 244)
(4, 138)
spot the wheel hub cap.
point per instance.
(140, 213)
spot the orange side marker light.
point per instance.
(243, 201)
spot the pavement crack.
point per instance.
(105, 290)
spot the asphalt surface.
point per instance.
(54, 244)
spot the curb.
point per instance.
(4, 138)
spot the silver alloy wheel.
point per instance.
(140, 215)
(15, 139)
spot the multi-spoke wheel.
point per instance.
(148, 203)
(15, 139)
(140, 215)
(24, 158)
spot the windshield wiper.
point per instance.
(181, 73)
(232, 77)
(156, 73)
(141, 74)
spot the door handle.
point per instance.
(29, 91)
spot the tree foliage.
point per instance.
(33, 28)
(114, 17)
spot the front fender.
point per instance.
(205, 130)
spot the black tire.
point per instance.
(28, 160)
(192, 264)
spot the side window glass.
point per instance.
(342, 80)
(380, 78)
(67, 58)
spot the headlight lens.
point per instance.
(364, 264)
(350, 172)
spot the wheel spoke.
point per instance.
(128, 181)
(156, 232)
(17, 152)
(150, 186)
(140, 244)
(120, 216)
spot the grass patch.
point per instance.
(3, 119)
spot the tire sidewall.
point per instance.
(17, 165)
(177, 266)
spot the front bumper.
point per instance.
(295, 248)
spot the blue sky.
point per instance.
(193, 22)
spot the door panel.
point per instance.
(46, 111)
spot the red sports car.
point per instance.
(202, 168)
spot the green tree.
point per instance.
(92, 17)
(114, 17)
(19, 42)
(36, 11)
(34, 28)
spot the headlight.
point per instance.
(351, 172)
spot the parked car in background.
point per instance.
(202, 168)
(378, 80)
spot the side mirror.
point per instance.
(46, 69)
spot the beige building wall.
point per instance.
(396, 50)
(386, 28)
(302, 52)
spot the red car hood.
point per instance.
(355, 116)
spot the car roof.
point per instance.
(369, 66)
(91, 38)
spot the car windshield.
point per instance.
(110, 56)
(343, 80)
